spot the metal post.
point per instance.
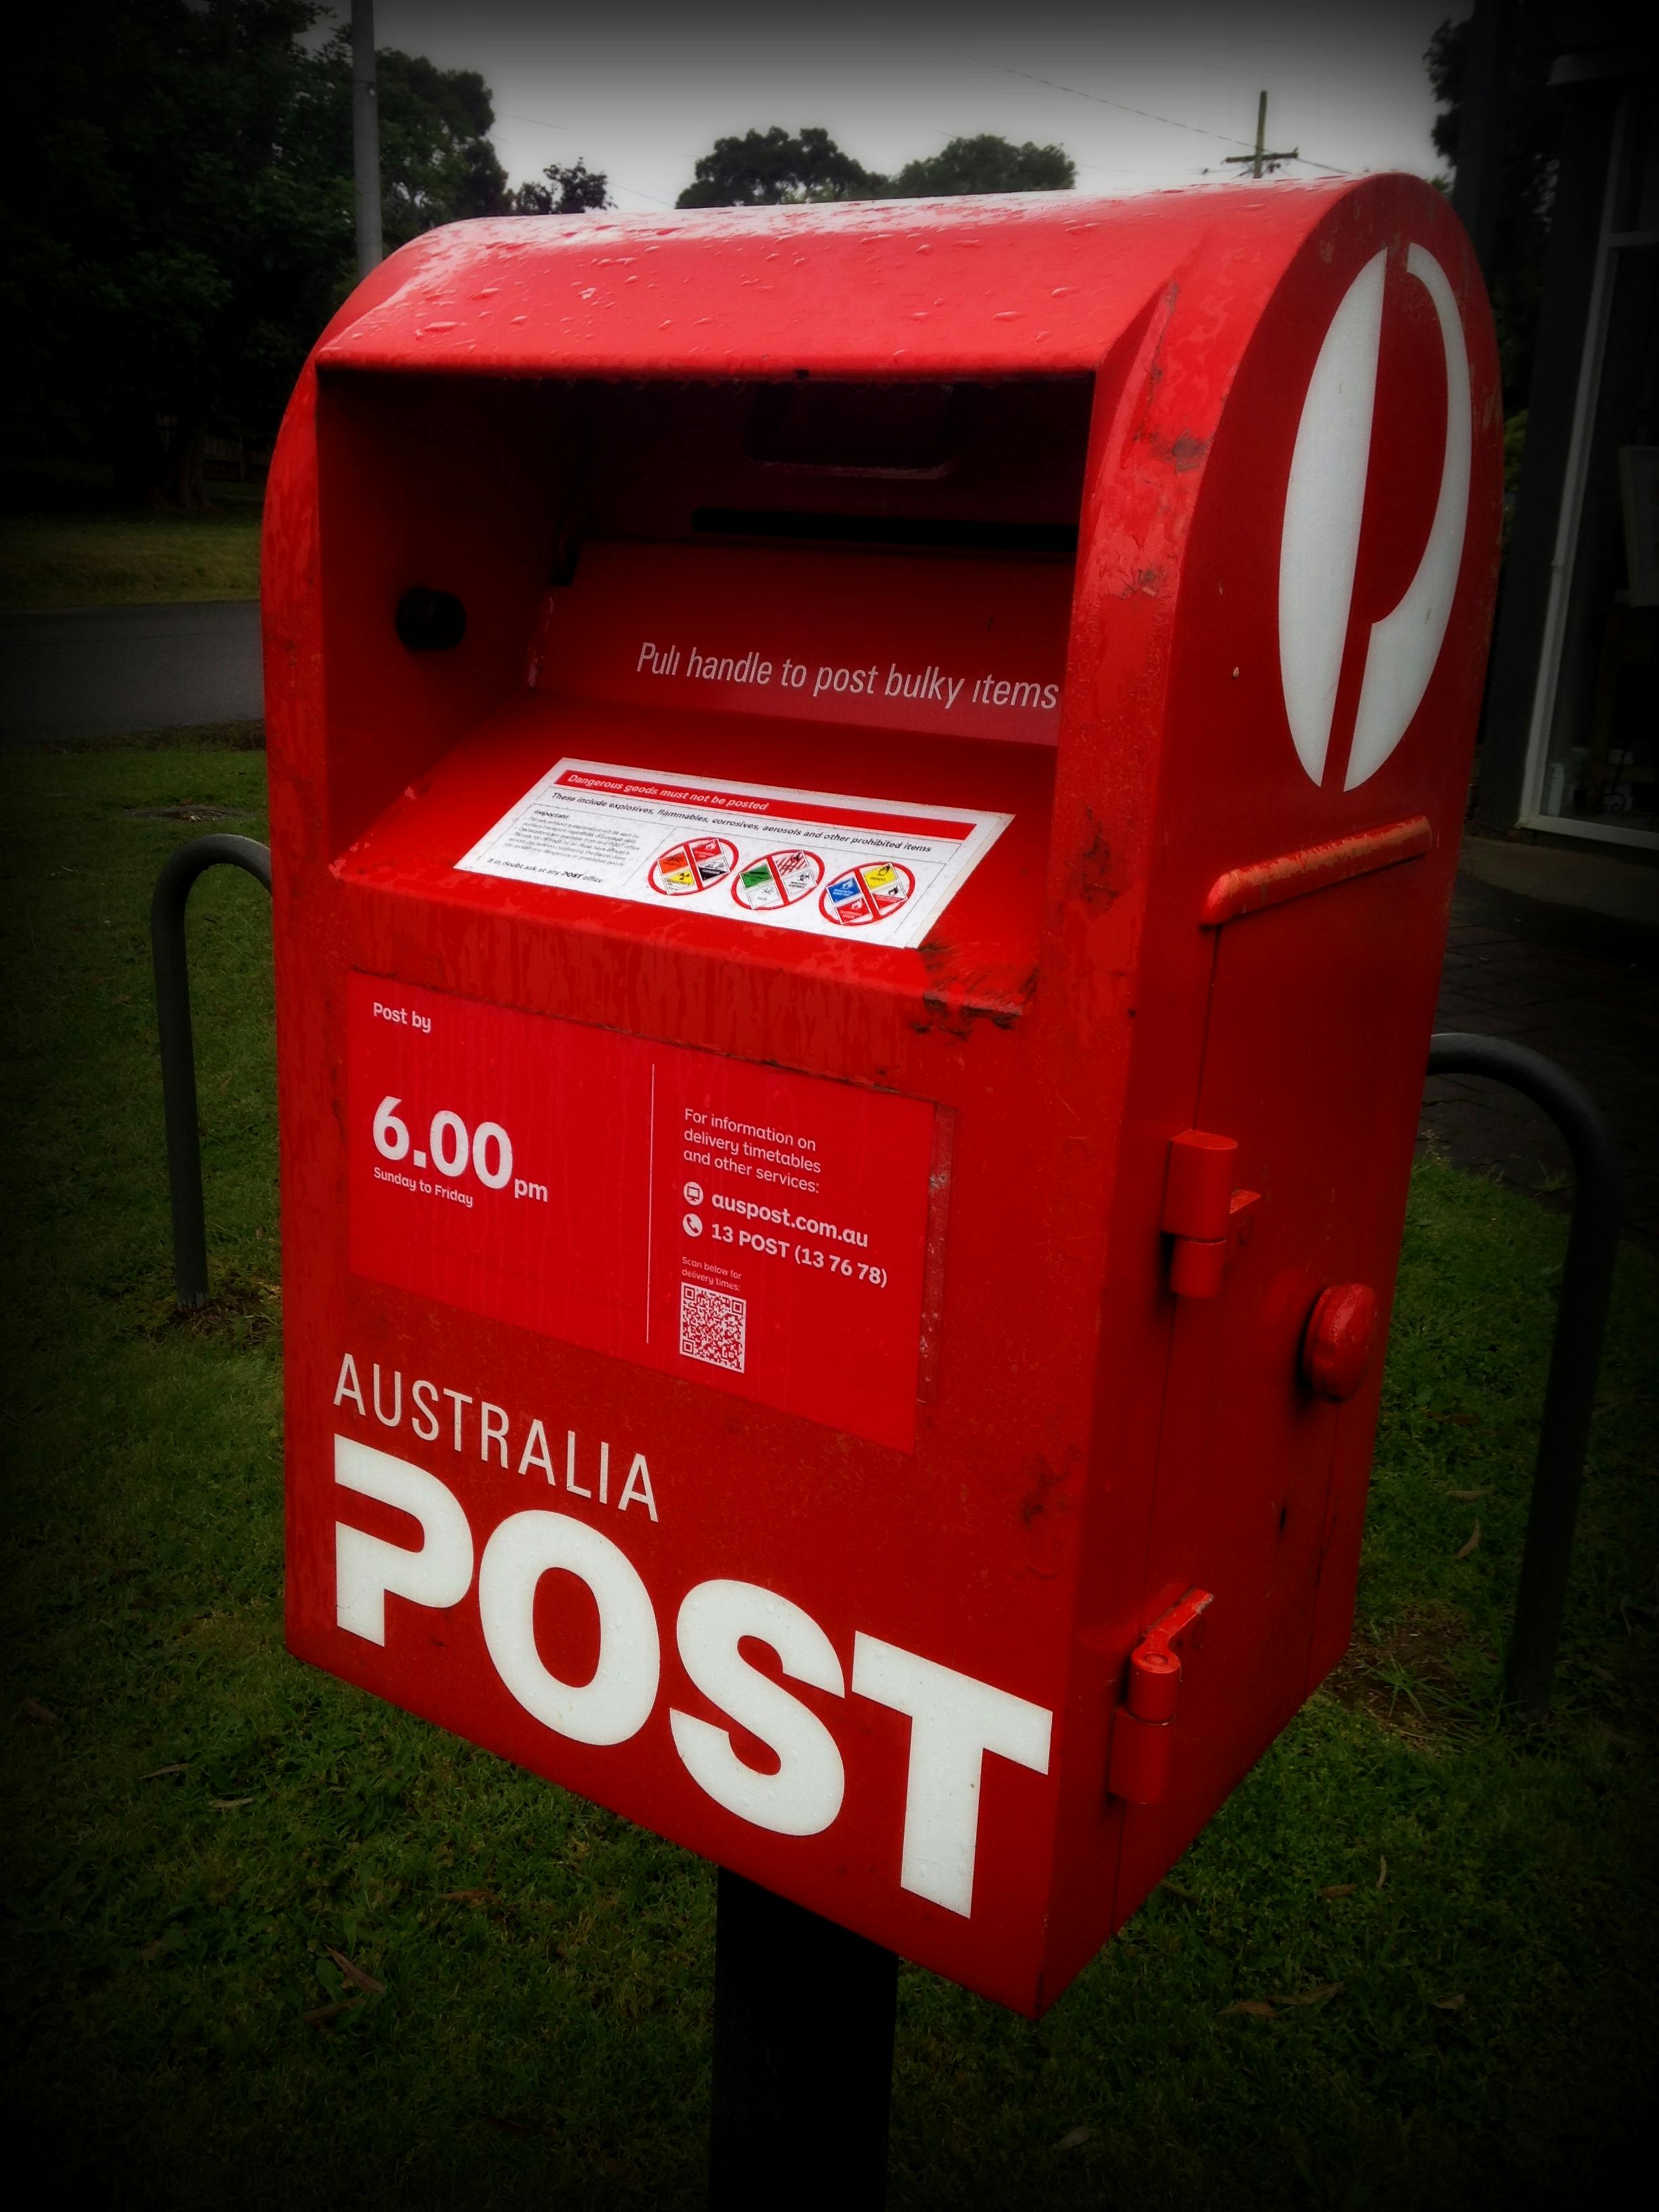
(166, 938)
(1261, 163)
(365, 138)
(803, 2015)
(1489, 36)
(1575, 1357)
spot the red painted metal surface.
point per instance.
(1198, 1192)
(1142, 1729)
(1165, 530)
(1315, 868)
(1340, 1344)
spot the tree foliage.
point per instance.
(985, 164)
(169, 214)
(768, 168)
(178, 179)
(577, 190)
(437, 164)
(1529, 128)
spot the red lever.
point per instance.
(1138, 1769)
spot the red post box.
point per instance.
(864, 803)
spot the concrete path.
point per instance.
(113, 668)
(1610, 882)
(1583, 987)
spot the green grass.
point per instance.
(202, 1821)
(61, 547)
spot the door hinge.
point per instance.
(1143, 1726)
(1201, 1209)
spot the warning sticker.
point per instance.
(756, 853)
(761, 1233)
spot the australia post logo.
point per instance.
(1366, 505)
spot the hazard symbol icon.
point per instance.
(779, 879)
(866, 894)
(695, 865)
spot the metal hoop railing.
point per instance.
(178, 1043)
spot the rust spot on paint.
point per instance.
(1091, 874)
(1183, 452)
(957, 998)
(955, 1018)
(1042, 1513)
(1039, 1497)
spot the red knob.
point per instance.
(1339, 1339)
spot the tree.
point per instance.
(1530, 133)
(576, 191)
(437, 164)
(177, 175)
(985, 164)
(169, 225)
(765, 168)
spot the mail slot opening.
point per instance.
(659, 454)
(848, 588)
(862, 429)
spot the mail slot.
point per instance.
(864, 801)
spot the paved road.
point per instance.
(110, 668)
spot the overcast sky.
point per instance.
(641, 91)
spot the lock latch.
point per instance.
(1143, 1727)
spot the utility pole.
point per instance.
(1489, 42)
(1263, 163)
(365, 138)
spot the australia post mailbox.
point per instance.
(864, 804)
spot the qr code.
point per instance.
(712, 1326)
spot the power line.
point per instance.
(1125, 108)
(1100, 100)
(1263, 162)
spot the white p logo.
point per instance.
(1324, 509)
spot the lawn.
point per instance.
(62, 545)
(1441, 1931)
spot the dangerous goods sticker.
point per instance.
(762, 1233)
(877, 870)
